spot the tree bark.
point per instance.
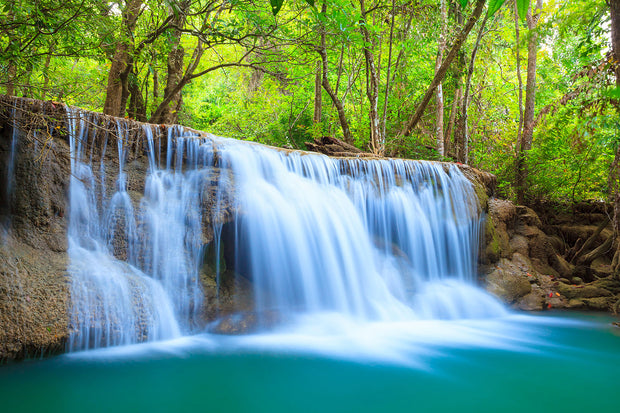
(137, 106)
(441, 47)
(372, 87)
(456, 104)
(124, 45)
(518, 58)
(614, 6)
(318, 94)
(342, 117)
(387, 76)
(169, 112)
(462, 152)
(439, 75)
(525, 144)
(377, 143)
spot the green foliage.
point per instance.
(276, 5)
(265, 56)
(522, 6)
(571, 158)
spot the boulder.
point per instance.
(508, 281)
(534, 301)
(500, 218)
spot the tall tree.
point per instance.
(462, 128)
(518, 65)
(117, 88)
(441, 47)
(377, 142)
(439, 74)
(533, 15)
(175, 62)
(614, 7)
(333, 94)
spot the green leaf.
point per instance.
(310, 2)
(276, 5)
(612, 93)
(494, 6)
(522, 6)
(463, 3)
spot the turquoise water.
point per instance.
(516, 363)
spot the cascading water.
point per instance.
(9, 176)
(113, 302)
(376, 240)
(372, 240)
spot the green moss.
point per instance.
(481, 193)
(493, 249)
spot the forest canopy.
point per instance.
(527, 90)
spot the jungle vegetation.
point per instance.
(527, 90)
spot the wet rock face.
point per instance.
(34, 293)
(34, 301)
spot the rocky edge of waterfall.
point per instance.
(529, 263)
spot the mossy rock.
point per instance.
(599, 303)
(493, 249)
(582, 292)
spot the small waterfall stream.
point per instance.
(372, 240)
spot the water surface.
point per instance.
(515, 363)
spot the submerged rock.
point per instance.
(246, 322)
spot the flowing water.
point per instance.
(508, 364)
(370, 266)
(376, 240)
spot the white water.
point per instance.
(113, 302)
(367, 240)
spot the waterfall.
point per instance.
(373, 240)
(7, 177)
(113, 301)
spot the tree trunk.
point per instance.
(342, 117)
(169, 112)
(463, 127)
(318, 94)
(525, 144)
(614, 6)
(387, 76)
(439, 75)
(518, 58)
(137, 106)
(377, 143)
(456, 104)
(441, 47)
(11, 75)
(124, 45)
